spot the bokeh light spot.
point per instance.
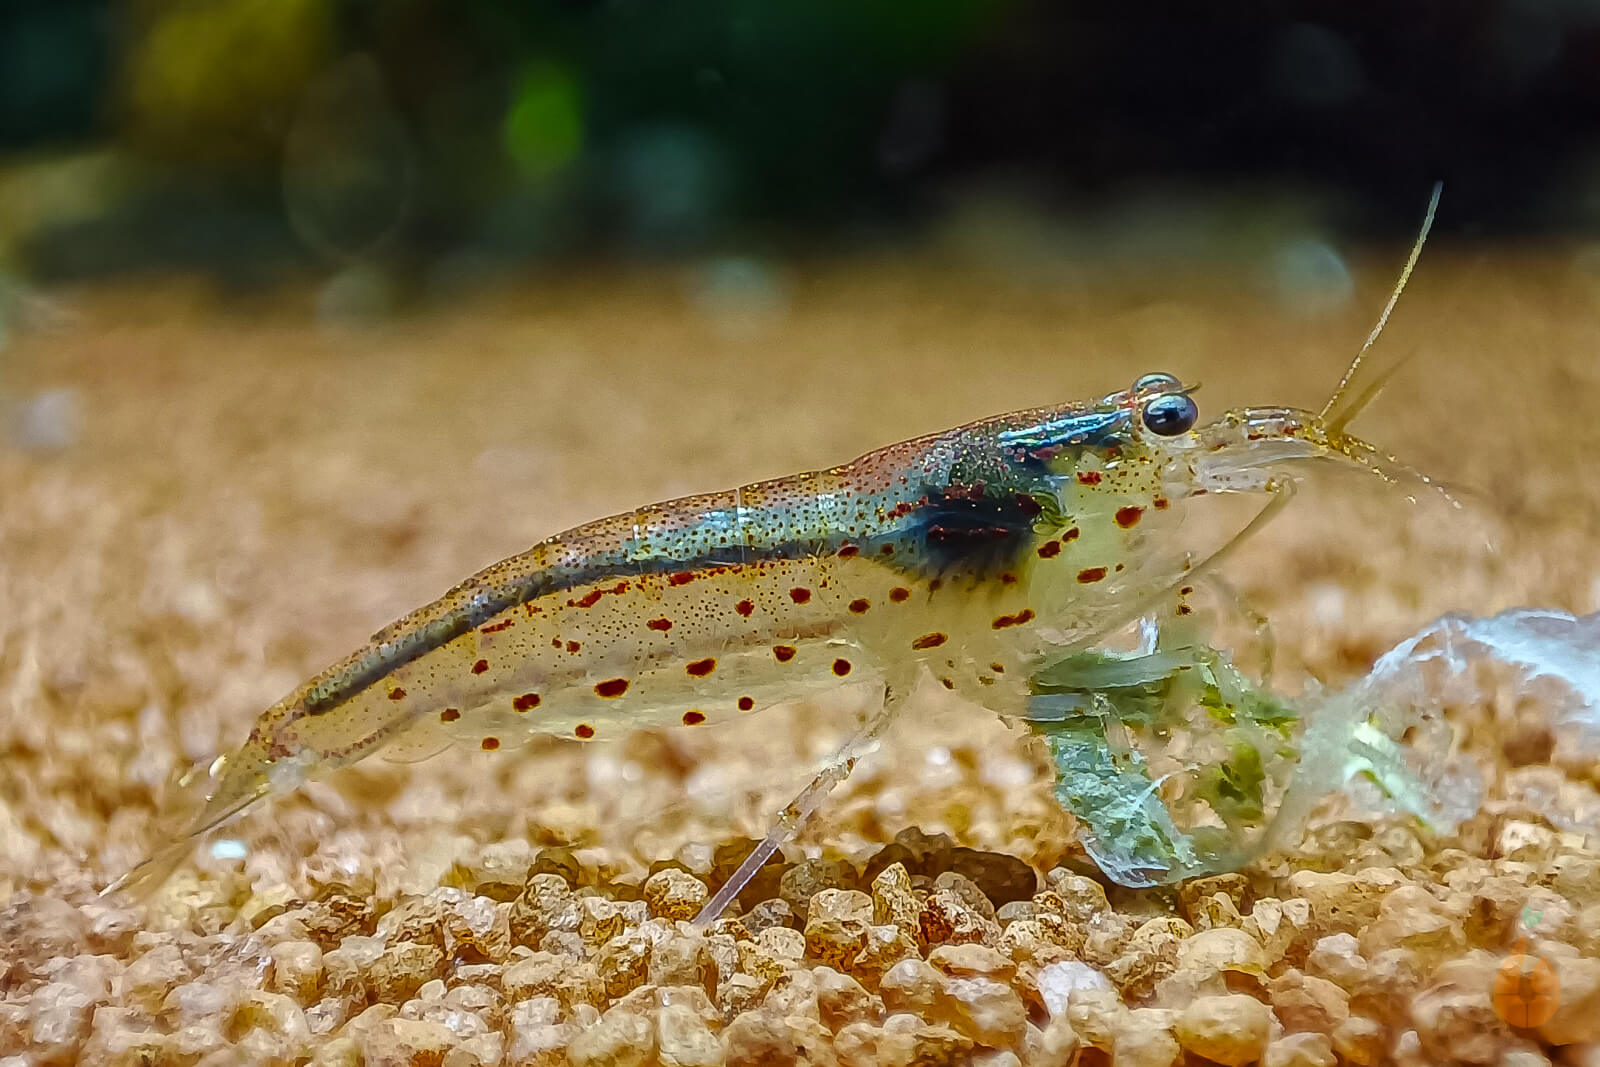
(349, 168)
(543, 130)
(740, 296)
(672, 183)
(1310, 277)
(1316, 67)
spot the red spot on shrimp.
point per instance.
(397, 693)
(1184, 609)
(1072, 534)
(611, 687)
(841, 667)
(998, 668)
(846, 551)
(1008, 579)
(744, 607)
(573, 646)
(899, 594)
(860, 606)
(480, 666)
(450, 715)
(1160, 503)
(800, 594)
(887, 550)
(660, 624)
(1050, 550)
(590, 599)
(933, 640)
(936, 585)
(1003, 621)
(1091, 574)
(1129, 515)
(526, 702)
(746, 703)
(900, 511)
(948, 683)
(693, 718)
(783, 653)
(682, 578)
(583, 731)
(491, 743)
(701, 667)
(1088, 477)
(496, 627)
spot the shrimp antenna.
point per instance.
(1347, 400)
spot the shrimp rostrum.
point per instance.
(974, 557)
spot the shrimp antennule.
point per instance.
(1347, 400)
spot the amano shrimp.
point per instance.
(973, 556)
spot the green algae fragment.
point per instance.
(1171, 759)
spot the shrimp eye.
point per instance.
(1156, 381)
(1170, 414)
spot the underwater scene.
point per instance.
(605, 534)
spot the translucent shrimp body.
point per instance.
(972, 554)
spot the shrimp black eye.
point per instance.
(1171, 414)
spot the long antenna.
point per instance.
(1337, 413)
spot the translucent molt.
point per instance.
(1177, 765)
(1386, 738)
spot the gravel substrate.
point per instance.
(243, 496)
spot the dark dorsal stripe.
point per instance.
(967, 531)
(953, 530)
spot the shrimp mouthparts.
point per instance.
(1243, 450)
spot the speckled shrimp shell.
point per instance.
(970, 556)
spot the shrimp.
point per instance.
(975, 556)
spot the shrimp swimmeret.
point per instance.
(974, 556)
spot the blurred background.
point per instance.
(431, 141)
(310, 309)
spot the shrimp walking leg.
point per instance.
(797, 811)
(1256, 646)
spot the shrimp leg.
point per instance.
(797, 811)
(1233, 607)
